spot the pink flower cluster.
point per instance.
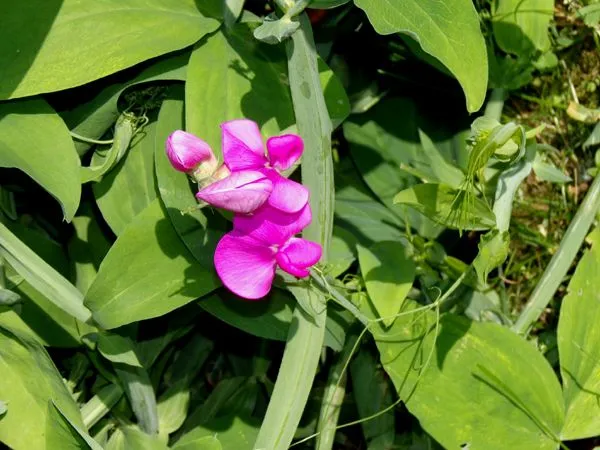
(270, 209)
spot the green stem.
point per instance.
(333, 396)
(561, 261)
(328, 289)
(100, 404)
(89, 140)
(306, 334)
(494, 106)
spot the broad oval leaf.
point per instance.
(70, 42)
(129, 187)
(147, 273)
(388, 275)
(448, 31)
(475, 385)
(451, 207)
(34, 139)
(579, 347)
(521, 26)
(29, 381)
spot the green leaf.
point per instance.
(388, 147)
(594, 138)
(172, 408)
(372, 394)
(34, 139)
(438, 203)
(138, 388)
(3, 408)
(29, 381)
(521, 26)
(42, 276)
(274, 30)
(200, 230)
(88, 247)
(547, 171)
(117, 349)
(130, 187)
(474, 384)
(590, 14)
(147, 273)
(232, 10)
(327, 4)
(70, 43)
(232, 432)
(62, 433)
(579, 347)
(449, 31)
(388, 274)
(129, 437)
(493, 250)
(228, 79)
(52, 326)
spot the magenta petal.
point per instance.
(272, 226)
(284, 150)
(241, 192)
(242, 145)
(297, 255)
(287, 196)
(186, 151)
(245, 266)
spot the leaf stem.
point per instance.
(495, 105)
(81, 138)
(561, 261)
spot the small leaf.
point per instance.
(579, 346)
(594, 138)
(388, 275)
(274, 31)
(117, 349)
(8, 298)
(172, 407)
(449, 207)
(232, 432)
(521, 26)
(493, 250)
(3, 408)
(142, 398)
(34, 139)
(547, 171)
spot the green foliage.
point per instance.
(578, 347)
(407, 333)
(449, 32)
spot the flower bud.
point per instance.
(190, 154)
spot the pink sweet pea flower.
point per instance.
(243, 150)
(247, 257)
(190, 154)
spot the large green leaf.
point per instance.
(579, 347)
(475, 385)
(448, 31)
(229, 78)
(69, 42)
(521, 26)
(130, 187)
(388, 274)
(147, 273)
(34, 139)
(62, 433)
(231, 431)
(29, 381)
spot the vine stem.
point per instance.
(561, 261)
